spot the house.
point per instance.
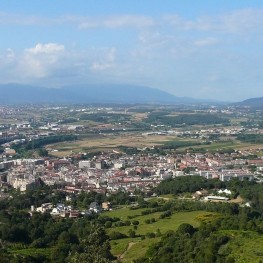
(227, 175)
(225, 191)
(55, 211)
(44, 208)
(74, 214)
(216, 198)
(106, 205)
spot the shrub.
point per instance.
(135, 222)
(116, 235)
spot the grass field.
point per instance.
(164, 225)
(139, 247)
(223, 145)
(120, 245)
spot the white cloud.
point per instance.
(49, 62)
(82, 22)
(32, 63)
(40, 60)
(162, 52)
(237, 22)
(10, 54)
(129, 21)
(49, 48)
(135, 21)
(88, 25)
(244, 21)
(107, 61)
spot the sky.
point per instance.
(193, 48)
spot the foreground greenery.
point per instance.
(41, 238)
(139, 229)
(220, 241)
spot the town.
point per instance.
(122, 168)
(135, 171)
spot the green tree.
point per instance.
(94, 249)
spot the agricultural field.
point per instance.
(137, 140)
(110, 142)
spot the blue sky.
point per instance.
(195, 48)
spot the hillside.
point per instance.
(253, 102)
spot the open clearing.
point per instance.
(140, 246)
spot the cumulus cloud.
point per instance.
(49, 62)
(40, 60)
(32, 63)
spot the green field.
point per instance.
(138, 246)
(222, 145)
(164, 225)
(139, 249)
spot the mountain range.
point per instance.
(105, 93)
(19, 94)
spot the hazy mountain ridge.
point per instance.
(18, 94)
(253, 102)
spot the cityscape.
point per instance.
(131, 132)
(93, 161)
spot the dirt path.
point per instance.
(238, 200)
(127, 249)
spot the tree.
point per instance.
(94, 249)
(42, 152)
(186, 229)
(108, 224)
(131, 233)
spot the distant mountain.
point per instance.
(18, 94)
(253, 103)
